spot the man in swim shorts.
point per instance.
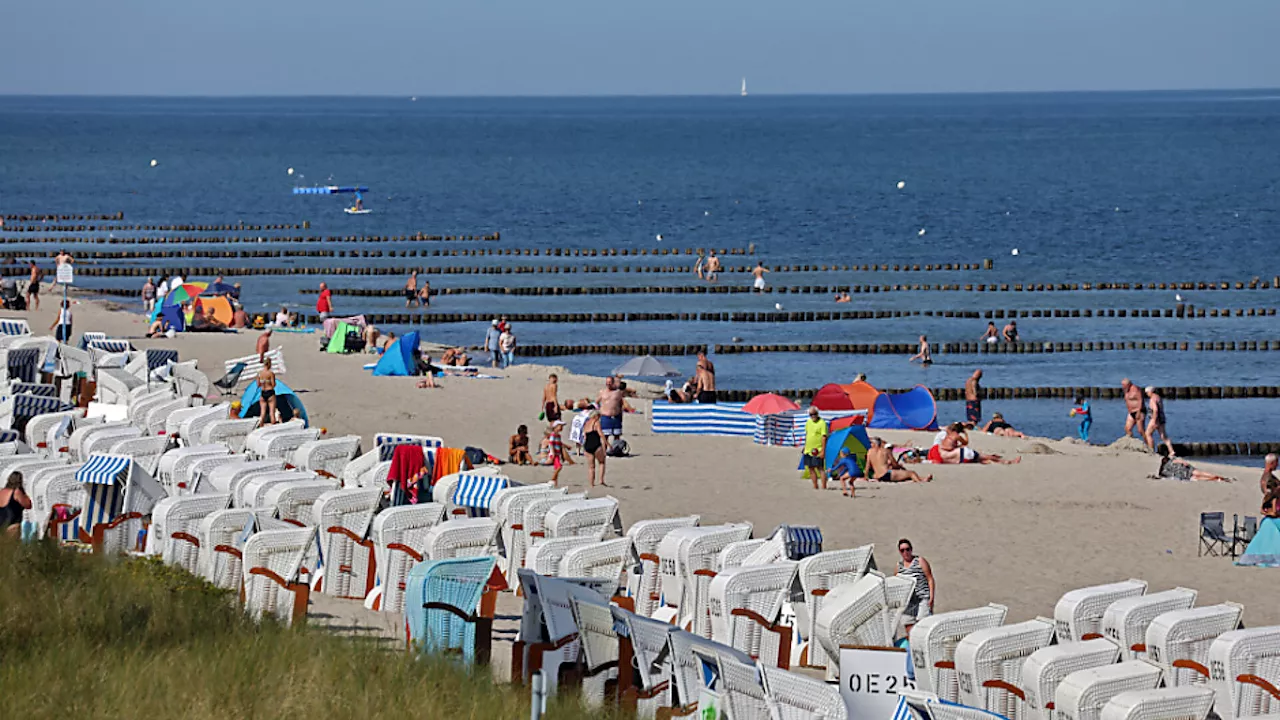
(411, 289)
(610, 403)
(550, 402)
(713, 267)
(759, 272)
(705, 379)
(992, 335)
(1133, 403)
(973, 398)
(925, 356)
(882, 467)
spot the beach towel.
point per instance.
(409, 468)
(575, 429)
(448, 462)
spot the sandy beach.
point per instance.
(1067, 516)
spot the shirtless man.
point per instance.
(1133, 403)
(713, 267)
(705, 379)
(1010, 332)
(424, 294)
(759, 272)
(550, 403)
(411, 289)
(954, 450)
(267, 393)
(924, 356)
(882, 467)
(973, 398)
(991, 336)
(264, 345)
(610, 403)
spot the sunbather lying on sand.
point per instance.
(881, 467)
(1173, 468)
(997, 426)
(953, 449)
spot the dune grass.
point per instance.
(87, 637)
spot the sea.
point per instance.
(1157, 187)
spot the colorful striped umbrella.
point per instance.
(185, 292)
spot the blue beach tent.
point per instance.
(914, 409)
(852, 437)
(400, 359)
(286, 401)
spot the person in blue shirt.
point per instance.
(491, 343)
(1086, 417)
(846, 470)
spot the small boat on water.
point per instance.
(357, 190)
(357, 211)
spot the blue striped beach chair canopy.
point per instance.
(475, 492)
(41, 389)
(88, 337)
(801, 540)
(8, 436)
(14, 326)
(105, 469)
(24, 363)
(28, 406)
(110, 346)
(160, 357)
(386, 443)
(116, 484)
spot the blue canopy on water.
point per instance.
(286, 401)
(400, 359)
(329, 189)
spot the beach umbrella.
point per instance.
(646, 366)
(185, 292)
(769, 404)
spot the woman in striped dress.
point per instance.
(911, 565)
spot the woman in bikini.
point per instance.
(267, 393)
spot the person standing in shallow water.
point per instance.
(925, 354)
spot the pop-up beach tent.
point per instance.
(338, 341)
(400, 359)
(287, 403)
(854, 438)
(914, 409)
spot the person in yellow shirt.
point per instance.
(815, 444)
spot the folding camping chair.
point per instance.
(1242, 533)
(1214, 540)
(227, 383)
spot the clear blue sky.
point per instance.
(602, 47)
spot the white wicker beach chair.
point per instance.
(38, 428)
(342, 518)
(604, 560)
(548, 637)
(469, 493)
(144, 401)
(376, 477)
(595, 518)
(507, 509)
(860, 613)
(75, 443)
(686, 666)
(252, 492)
(645, 536)
(227, 478)
(687, 565)
(188, 423)
(174, 534)
(326, 457)
(281, 444)
(114, 385)
(27, 465)
(399, 537)
(989, 662)
(648, 643)
(101, 442)
(1245, 669)
(544, 558)
(1045, 668)
(55, 485)
(200, 468)
(174, 464)
(1082, 694)
(359, 465)
(534, 517)
(220, 546)
(272, 574)
(153, 421)
(593, 617)
(741, 690)
(1184, 703)
(933, 646)
(795, 696)
(1125, 621)
(232, 433)
(145, 451)
(294, 502)
(746, 603)
(818, 574)
(462, 537)
(189, 381)
(1078, 614)
(1179, 641)
(734, 554)
(255, 444)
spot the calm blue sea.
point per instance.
(1088, 187)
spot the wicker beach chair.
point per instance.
(252, 492)
(39, 427)
(1178, 641)
(463, 537)
(295, 502)
(174, 534)
(442, 600)
(644, 666)
(232, 433)
(52, 486)
(187, 380)
(795, 696)
(735, 554)
(221, 534)
(469, 493)
(507, 509)
(1044, 669)
(174, 464)
(544, 558)
(342, 518)
(605, 560)
(533, 519)
(327, 457)
(145, 451)
(818, 575)
(863, 613)
(1245, 669)
(81, 432)
(227, 478)
(746, 603)
(687, 564)
(594, 517)
(1125, 622)
(359, 465)
(988, 665)
(155, 418)
(399, 537)
(273, 574)
(548, 637)
(933, 646)
(599, 640)
(280, 444)
(255, 444)
(187, 424)
(645, 536)
(1078, 614)
(101, 442)
(1082, 694)
(1184, 703)
(386, 443)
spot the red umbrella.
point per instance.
(769, 404)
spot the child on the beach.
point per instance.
(1086, 416)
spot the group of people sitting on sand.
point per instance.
(951, 447)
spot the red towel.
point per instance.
(407, 468)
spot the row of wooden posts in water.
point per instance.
(709, 289)
(906, 349)
(956, 394)
(261, 240)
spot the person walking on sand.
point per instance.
(492, 343)
(267, 393)
(149, 296)
(973, 398)
(33, 287)
(713, 267)
(550, 400)
(920, 606)
(61, 327)
(816, 431)
(593, 447)
(411, 290)
(1155, 425)
(925, 356)
(1134, 405)
(556, 451)
(324, 303)
(1086, 416)
(759, 272)
(609, 401)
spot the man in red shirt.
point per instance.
(324, 305)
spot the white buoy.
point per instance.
(154, 163)
(777, 306)
(1178, 297)
(921, 232)
(901, 184)
(706, 213)
(639, 202)
(290, 171)
(1117, 209)
(659, 238)
(1014, 252)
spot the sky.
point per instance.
(652, 47)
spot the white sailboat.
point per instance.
(744, 87)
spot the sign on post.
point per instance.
(870, 679)
(66, 274)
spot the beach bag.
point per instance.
(618, 449)
(476, 456)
